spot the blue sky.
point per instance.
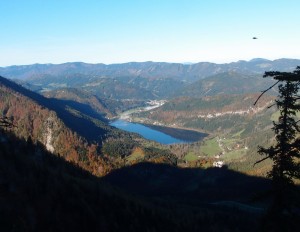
(118, 31)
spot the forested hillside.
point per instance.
(227, 83)
(85, 99)
(120, 88)
(235, 127)
(73, 130)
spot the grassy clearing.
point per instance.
(190, 157)
(210, 147)
(229, 142)
(232, 155)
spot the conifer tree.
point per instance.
(285, 153)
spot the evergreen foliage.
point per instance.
(285, 152)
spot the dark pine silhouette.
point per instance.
(284, 153)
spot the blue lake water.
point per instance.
(156, 135)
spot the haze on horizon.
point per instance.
(178, 31)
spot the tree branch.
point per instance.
(271, 106)
(257, 162)
(263, 92)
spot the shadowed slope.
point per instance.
(200, 185)
(78, 122)
(41, 192)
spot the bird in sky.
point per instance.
(254, 37)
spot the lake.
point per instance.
(164, 135)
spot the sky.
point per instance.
(119, 31)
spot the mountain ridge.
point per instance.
(231, 82)
(148, 69)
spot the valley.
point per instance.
(154, 131)
(149, 116)
(176, 139)
(171, 99)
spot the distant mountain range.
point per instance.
(179, 71)
(149, 80)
